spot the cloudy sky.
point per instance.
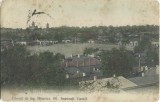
(14, 13)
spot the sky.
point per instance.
(14, 13)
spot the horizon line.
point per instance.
(86, 26)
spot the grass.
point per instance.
(68, 49)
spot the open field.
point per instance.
(68, 49)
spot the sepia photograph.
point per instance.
(79, 50)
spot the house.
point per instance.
(147, 79)
(73, 72)
(55, 42)
(133, 43)
(66, 41)
(6, 43)
(42, 42)
(82, 66)
(91, 55)
(21, 43)
(91, 41)
(75, 40)
(155, 44)
(81, 61)
(103, 39)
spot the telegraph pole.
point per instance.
(139, 61)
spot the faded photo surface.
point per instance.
(79, 50)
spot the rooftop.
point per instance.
(150, 77)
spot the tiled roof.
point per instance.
(76, 58)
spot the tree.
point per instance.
(21, 68)
(117, 61)
(58, 37)
(143, 44)
(46, 69)
(152, 57)
(145, 47)
(14, 69)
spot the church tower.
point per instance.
(33, 26)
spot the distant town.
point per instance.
(124, 35)
(85, 58)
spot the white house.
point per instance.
(91, 41)
(133, 43)
(21, 43)
(155, 44)
(66, 41)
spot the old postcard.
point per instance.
(79, 50)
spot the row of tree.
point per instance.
(21, 68)
(117, 61)
(83, 33)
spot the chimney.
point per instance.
(77, 71)
(67, 76)
(141, 69)
(66, 63)
(77, 63)
(95, 77)
(142, 74)
(71, 55)
(146, 68)
(114, 75)
(84, 74)
(78, 56)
